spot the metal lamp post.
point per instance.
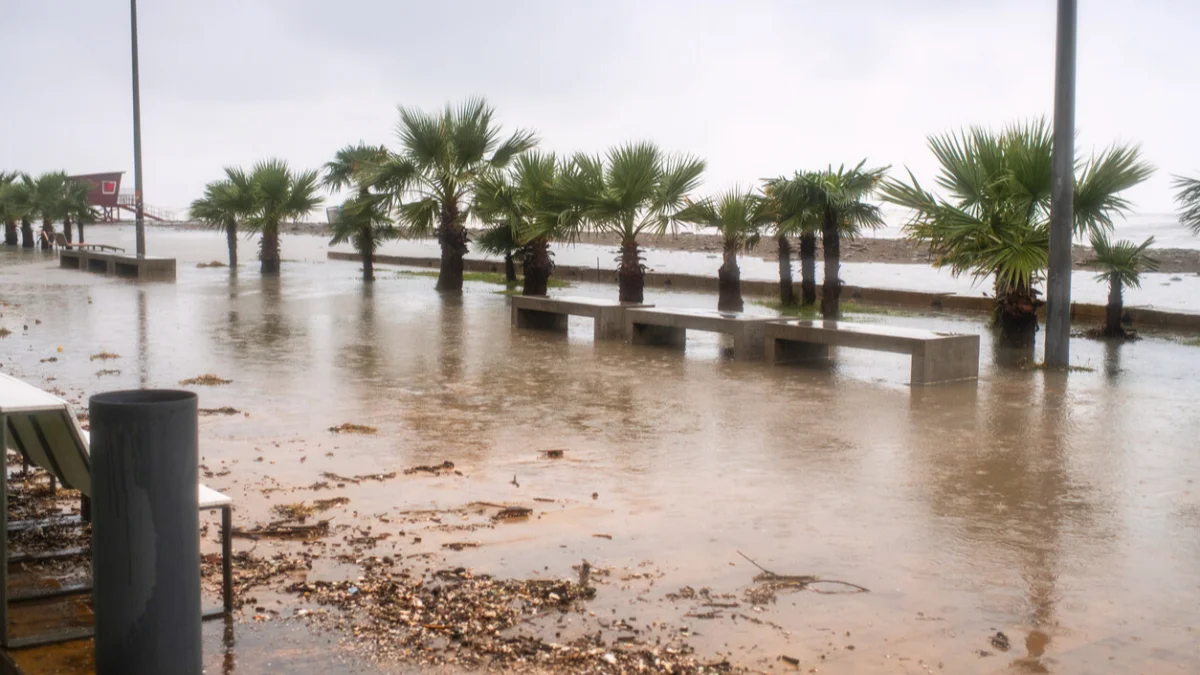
(139, 226)
(1062, 193)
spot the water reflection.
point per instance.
(1112, 359)
(143, 340)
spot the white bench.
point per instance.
(670, 326)
(546, 313)
(936, 357)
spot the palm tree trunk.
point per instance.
(538, 267)
(787, 297)
(808, 268)
(48, 230)
(1115, 309)
(79, 226)
(631, 275)
(231, 242)
(67, 228)
(1016, 311)
(10, 233)
(367, 249)
(831, 244)
(510, 269)
(26, 233)
(452, 237)
(268, 253)
(729, 281)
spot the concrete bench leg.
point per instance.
(789, 351)
(645, 334)
(946, 361)
(748, 342)
(529, 318)
(609, 324)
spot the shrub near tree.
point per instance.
(225, 204)
(363, 219)
(995, 218)
(523, 217)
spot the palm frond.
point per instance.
(1188, 199)
(1098, 188)
(1123, 260)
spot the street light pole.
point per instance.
(139, 223)
(1062, 193)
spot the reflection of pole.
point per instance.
(1062, 193)
(139, 224)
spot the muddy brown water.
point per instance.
(1060, 509)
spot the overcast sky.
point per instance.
(756, 87)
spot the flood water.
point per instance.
(1060, 509)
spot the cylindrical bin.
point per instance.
(145, 533)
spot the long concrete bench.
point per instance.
(670, 326)
(936, 357)
(546, 313)
(146, 268)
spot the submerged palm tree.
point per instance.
(519, 206)
(794, 216)
(224, 205)
(279, 195)
(9, 213)
(1188, 199)
(636, 189)
(835, 198)
(23, 205)
(76, 208)
(363, 220)
(738, 215)
(996, 219)
(431, 180)
(1121, 265)
(49, 198)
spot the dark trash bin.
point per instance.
(145, 533)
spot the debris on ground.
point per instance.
(224, 410)
(52, 359)
(104, 356)
(553, 454)
(1000, 641)
(208, 379)
(4, 332)
(348, 428)
(354, 479)
(513, 513)
(301, 510)
(251, 571)
(107, 371)
(769, 582)
(283, 530)
(436, 469)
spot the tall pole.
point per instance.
(140, 225)
(1062, 193)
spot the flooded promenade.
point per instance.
(1059, 509)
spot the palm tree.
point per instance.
(835, 199)
(224, 204)
(635, 189)
(8, 206)
(794, 215)
(23, 205)
(49, 196)
(1188, 200)
(739, 216)
(363, 219)
(1121, 265)
(520, 206)
(996, 220)
(279, 195)
(76, 207)
(431, 181)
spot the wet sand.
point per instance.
(1058, 509)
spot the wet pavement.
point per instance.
(1059, 509)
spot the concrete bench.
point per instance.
(545, 313)
(936, 357)
(670, 326)
(146, 268)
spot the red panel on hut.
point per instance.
(105, 187)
